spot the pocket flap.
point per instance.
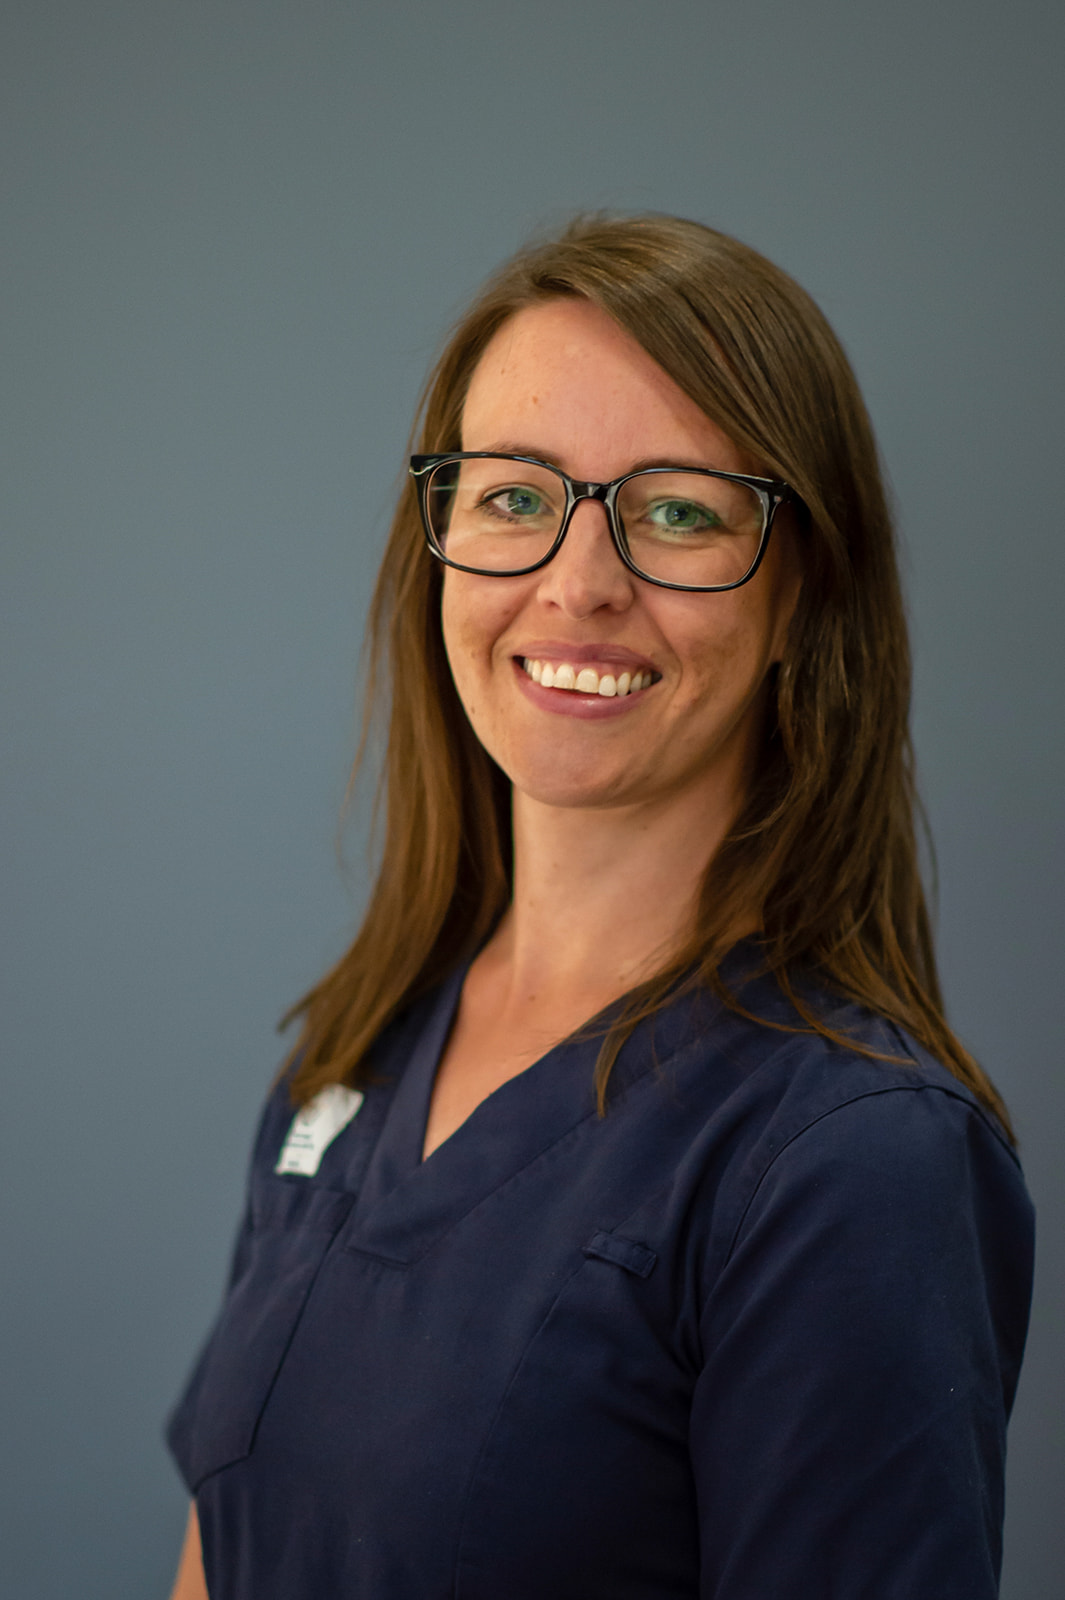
(624, 1253)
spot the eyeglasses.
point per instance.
(679, 527)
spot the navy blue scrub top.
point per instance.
(754, 1335)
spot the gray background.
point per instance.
(232, 237)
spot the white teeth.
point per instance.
(562, 675)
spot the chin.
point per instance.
(576, 788)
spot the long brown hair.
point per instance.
(825, 844)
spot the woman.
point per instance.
(645, 1230)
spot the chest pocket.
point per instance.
(292, 1225)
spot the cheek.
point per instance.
(458, 648)
(459, 621)
(473, 615)
(725, 657)
(719, 646)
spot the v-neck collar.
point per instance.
(399, 1147)
(406, 1204)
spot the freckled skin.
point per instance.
(561, 380)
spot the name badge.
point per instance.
(315, 1127)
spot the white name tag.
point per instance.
(315, 1127)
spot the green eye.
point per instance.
(518, 502)
(682, 516)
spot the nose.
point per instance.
(587, 573)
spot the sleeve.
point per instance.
(861, 1348)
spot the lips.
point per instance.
(606, 670)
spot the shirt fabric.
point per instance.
(753, 1334)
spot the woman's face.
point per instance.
(562, 382)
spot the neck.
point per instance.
(602, 898)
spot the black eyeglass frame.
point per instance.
(772, 492)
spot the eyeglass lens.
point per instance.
(501, 515)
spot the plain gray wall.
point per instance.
(232, 237)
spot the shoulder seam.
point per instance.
(961, 1095)
(960, 1092)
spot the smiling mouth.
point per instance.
(586, 680)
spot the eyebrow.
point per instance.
(512, 447)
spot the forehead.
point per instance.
(564, 381)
